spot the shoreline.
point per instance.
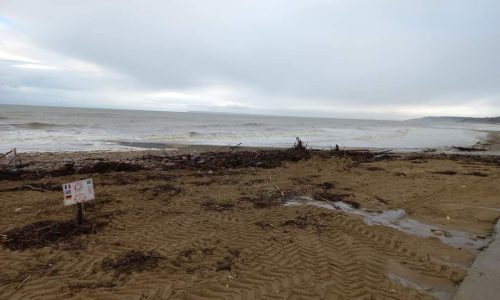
(182, 149)
(492, 137)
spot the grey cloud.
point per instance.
(330, 52)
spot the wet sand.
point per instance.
(251, 233)
(494, 141)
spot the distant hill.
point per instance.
(490, 120)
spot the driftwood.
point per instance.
(468, 149)
(232, 148)
(383, 154)
(7, 153)
(211, 161)
(25, 279)
(14, 157)
(484, 145)
(35, 188)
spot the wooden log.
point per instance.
(468, 149)
(35, 188)
(7, 153)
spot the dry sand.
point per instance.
(225, 233)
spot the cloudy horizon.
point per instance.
(346, 59)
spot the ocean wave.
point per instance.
(236, 124)
(39, 125)
(77, 129)
(252, 124)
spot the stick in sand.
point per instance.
(79, 213)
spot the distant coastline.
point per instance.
(486, 120)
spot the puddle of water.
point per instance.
(436, 293)
(489, 208)
(396, 219)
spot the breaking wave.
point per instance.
(39, 126)
(70, 129)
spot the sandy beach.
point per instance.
(249, 150)
(246, 224)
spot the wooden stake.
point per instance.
(79, 213)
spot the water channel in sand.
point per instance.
(396, 219)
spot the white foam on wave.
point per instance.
(63, 129)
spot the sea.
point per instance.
(57, 129)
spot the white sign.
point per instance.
(78, 191)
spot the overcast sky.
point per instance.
(361, 59)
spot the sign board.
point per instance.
(78, 191)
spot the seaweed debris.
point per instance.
(42, 233)
(213, 205)
(132, 261)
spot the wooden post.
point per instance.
(79, 213)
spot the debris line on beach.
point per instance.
(132, 261)
(43, 233)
